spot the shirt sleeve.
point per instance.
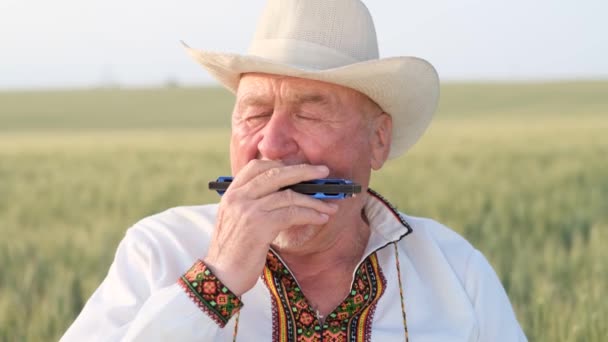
(127, 307)
(495, 316)
(209, 294)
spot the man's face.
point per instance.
(296, 121)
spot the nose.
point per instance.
(278, 141)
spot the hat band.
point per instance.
(300, 54)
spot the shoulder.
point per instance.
(183, 220)
(437, 235)
(177, 221)
(431, 243)
(173, 238)
(436, 251)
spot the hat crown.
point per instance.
(315, 34)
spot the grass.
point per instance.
(520, 170)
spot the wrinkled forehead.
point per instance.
(294, 89)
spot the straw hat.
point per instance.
(335, 41)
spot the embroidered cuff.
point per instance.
(209, 293)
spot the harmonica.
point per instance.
(324, 188)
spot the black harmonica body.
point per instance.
(324, 188)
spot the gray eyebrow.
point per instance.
(311, 98)
(297, 99)
(251, 100)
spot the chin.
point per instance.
(295, 237)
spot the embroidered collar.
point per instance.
(294, 319)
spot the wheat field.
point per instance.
(521, 170)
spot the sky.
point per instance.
(75, 43)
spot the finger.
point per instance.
(276, 178)
(287, 217)
(287, 198)
(253, 168)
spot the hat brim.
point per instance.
(407, 88)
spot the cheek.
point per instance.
(243, 148)
(344, 154)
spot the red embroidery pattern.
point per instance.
(295, 320)
(210, 294)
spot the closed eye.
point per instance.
(257, 118)
(307, 117)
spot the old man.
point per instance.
(313, 100)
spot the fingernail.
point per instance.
(325, 217)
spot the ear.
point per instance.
(380, 139)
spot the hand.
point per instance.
(253, 212)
